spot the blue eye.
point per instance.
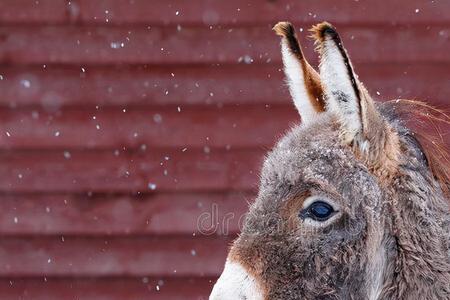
(318, 211)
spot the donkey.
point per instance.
(352, 204)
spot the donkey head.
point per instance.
(348, 205)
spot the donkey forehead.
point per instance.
(314, 154)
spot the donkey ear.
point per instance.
(304, 82)
(339, 80)
(362, 125)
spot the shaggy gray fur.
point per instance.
(404, 223)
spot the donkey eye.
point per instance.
(318, 211)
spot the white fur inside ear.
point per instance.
(338, 86)
(296, 82)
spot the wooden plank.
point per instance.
(94, 257)
(425, 82)
(110, 128)
(253, 11)
(144, 171)
(55, 87)
(213, 12)
(33, 12)
(94, 215)
(157, 288)
(156, 45)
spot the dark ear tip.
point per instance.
(330, 31)
(284, 29)
(324, 29)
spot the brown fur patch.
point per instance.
(248, 258)
(314, 87)
(291, 209)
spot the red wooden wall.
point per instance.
(123, 121)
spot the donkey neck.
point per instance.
(420, 268)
